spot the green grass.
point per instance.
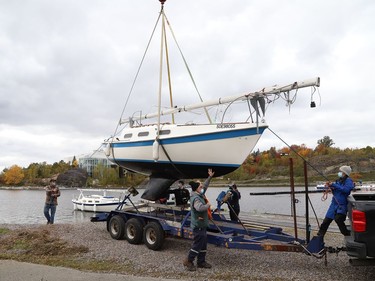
(4, 231)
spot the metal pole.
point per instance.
(293, 198)
(286, 192)
(244, 227)
(306, 202)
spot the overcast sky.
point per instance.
(66, 67)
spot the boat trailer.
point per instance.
(150, 223)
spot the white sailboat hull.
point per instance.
(185, 151)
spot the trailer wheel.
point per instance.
(116, 227)
(134, 231)
(153, 236)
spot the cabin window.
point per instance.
(143, 134)
(127, 136)
(164, 132)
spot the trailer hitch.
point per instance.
(335, 250)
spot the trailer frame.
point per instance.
(150, 223)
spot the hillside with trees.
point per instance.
(322, 161)
(261, 167)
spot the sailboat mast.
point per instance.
(168, 68)
(155, 145)
(161, 67)
(168, 65)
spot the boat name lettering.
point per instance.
(225, 126)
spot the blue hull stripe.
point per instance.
(98, 204)
(127, 161)
(196, 138)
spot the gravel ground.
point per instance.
(228, 264)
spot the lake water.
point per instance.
(26, 206)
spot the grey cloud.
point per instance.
(67, 66)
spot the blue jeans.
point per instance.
(50, 216)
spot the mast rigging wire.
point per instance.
(296, 152)
(137, 73)
(187, 66)
(307, 162)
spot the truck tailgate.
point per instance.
(361, 243)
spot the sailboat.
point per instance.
(167, 151)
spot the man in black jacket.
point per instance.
(234, 202)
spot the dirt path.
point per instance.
(21, 271)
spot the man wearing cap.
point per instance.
(199, 223)
(339, 204)
(52, 192)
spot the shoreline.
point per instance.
(212, 185)
(33, 188)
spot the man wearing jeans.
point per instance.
(52, 192)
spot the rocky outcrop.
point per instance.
(73, 178)
(329, 164)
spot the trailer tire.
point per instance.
(134, 231)
(116, 227)
(153, 236)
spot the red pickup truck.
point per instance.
(361, 212)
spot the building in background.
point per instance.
(90, 161)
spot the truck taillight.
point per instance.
(359, 221)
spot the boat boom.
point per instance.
(273, 90)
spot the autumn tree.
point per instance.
(31, 173)
(304, 151)
(60, 167)
(14, 175)
(105, 175)
(44, 170)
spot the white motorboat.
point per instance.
(365, 187)
(321, 186)
(357, 187)
(95, 202)
(165, 150)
